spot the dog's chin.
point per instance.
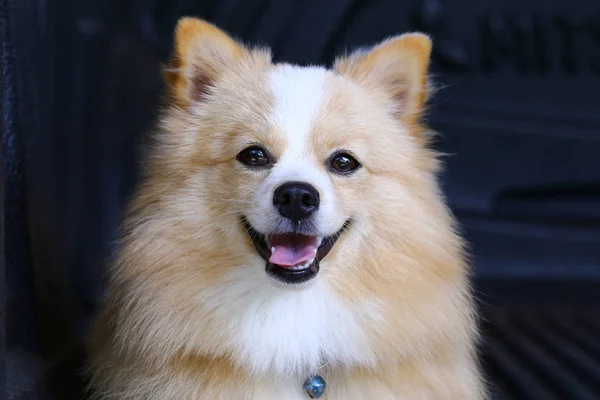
(306, 251)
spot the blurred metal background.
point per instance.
(518, 110)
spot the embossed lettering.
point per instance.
(495, 42)
(522, 40)
(593, 28)
(568, 28)
(531, 43)
(540, 46)
(522, 35)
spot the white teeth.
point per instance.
(303, 266)
(272, 250)
(315, 250)
(319, 241)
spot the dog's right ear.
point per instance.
(399, 66)
(201, 53)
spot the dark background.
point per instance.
(518, 111)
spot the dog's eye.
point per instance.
(344, 163)
(253, 156)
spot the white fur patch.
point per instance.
(285, 330)
(299, 95)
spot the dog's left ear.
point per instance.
(398, 66)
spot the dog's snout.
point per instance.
(296, 200)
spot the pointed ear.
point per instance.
(201, 53)
(398, 66)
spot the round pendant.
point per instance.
(315, 386)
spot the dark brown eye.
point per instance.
(344, 163)
(253, 156)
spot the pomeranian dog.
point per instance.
(289, 239)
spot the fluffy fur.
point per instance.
(191, 313)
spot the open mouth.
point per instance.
(292, 257)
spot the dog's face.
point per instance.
(308, 174)
(291, 215)
(302, 161)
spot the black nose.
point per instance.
(296, 200)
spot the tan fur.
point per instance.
(399, 67)
(156, 340)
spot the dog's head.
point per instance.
(291, 215)
(302, 161)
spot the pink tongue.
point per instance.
(291, 250)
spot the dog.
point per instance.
(289, 239)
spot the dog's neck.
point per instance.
(207, 368)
